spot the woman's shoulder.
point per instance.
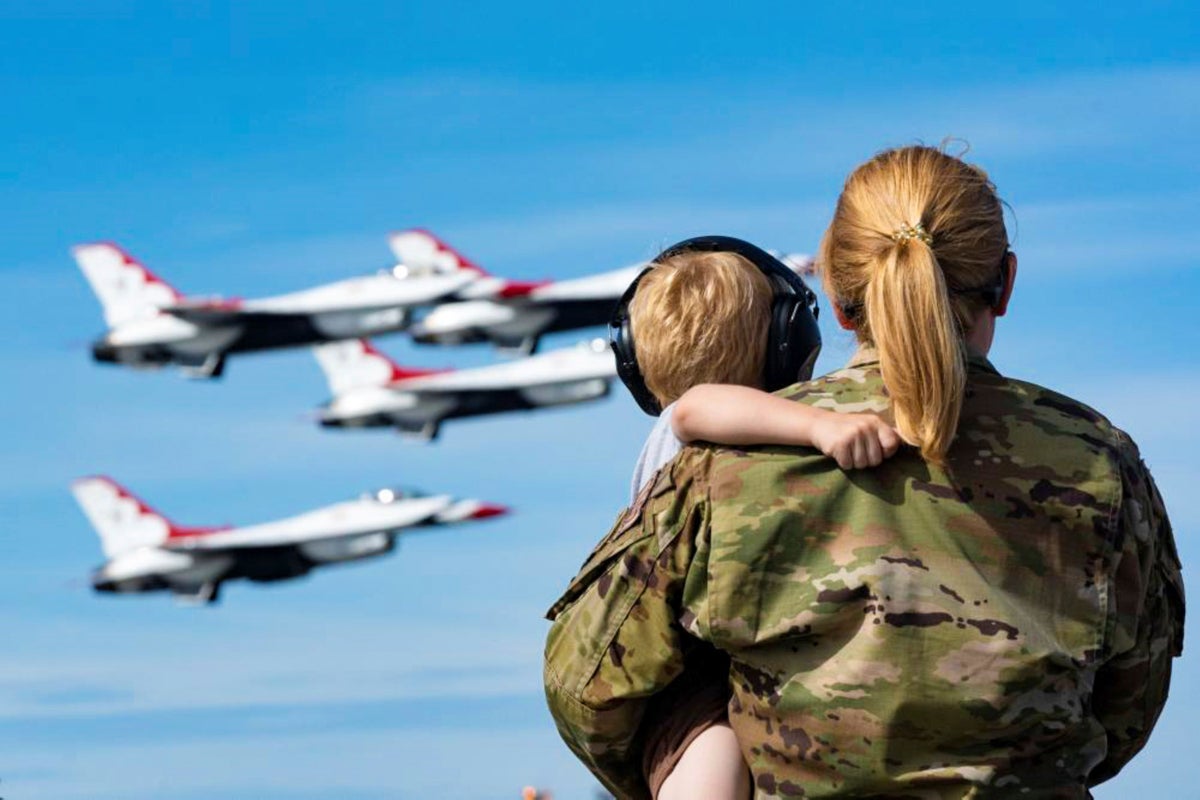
(1049, 407)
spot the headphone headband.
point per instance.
(793, 341)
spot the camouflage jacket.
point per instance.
(1003, 627)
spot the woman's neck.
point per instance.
(979, 337)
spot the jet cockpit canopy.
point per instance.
(401, 271)
(393, 494)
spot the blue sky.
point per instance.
(266, 147)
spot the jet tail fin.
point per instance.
(122, 521)
(125, 288)
(356, 364)
(421, 251)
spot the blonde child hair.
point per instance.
(701, 317)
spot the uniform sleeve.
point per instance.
(616, 640)
(1146, 633)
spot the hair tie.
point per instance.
(906, 233)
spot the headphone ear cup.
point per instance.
(779, 359)
(793, 343)
(630, 373)
(997, 293)
(620, 338)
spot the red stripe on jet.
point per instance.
(489, 510)
(173, 531)
(513, 289)
(149, 276)
(399, 373)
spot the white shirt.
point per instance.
(661, 446)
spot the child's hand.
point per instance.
(855, 441)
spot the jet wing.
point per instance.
(226, 314)
(215, 311)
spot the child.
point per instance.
(700, 322)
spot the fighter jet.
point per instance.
(146, 552)
(151, 324)
(371, 390)
(513, 315)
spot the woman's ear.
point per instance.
(1010, 278)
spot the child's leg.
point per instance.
(711, 768)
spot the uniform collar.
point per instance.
(866, 356)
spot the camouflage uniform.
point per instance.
(1000, 628)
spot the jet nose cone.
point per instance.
(488, 510)
(464, 510)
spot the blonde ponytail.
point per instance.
(921, 352)
(917, 234)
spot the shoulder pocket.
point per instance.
(628, 529)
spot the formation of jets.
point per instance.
(432, 292)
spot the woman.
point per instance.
(991, 613)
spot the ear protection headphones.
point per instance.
(793, 341)
(992, 295)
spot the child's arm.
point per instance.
(736, 415)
